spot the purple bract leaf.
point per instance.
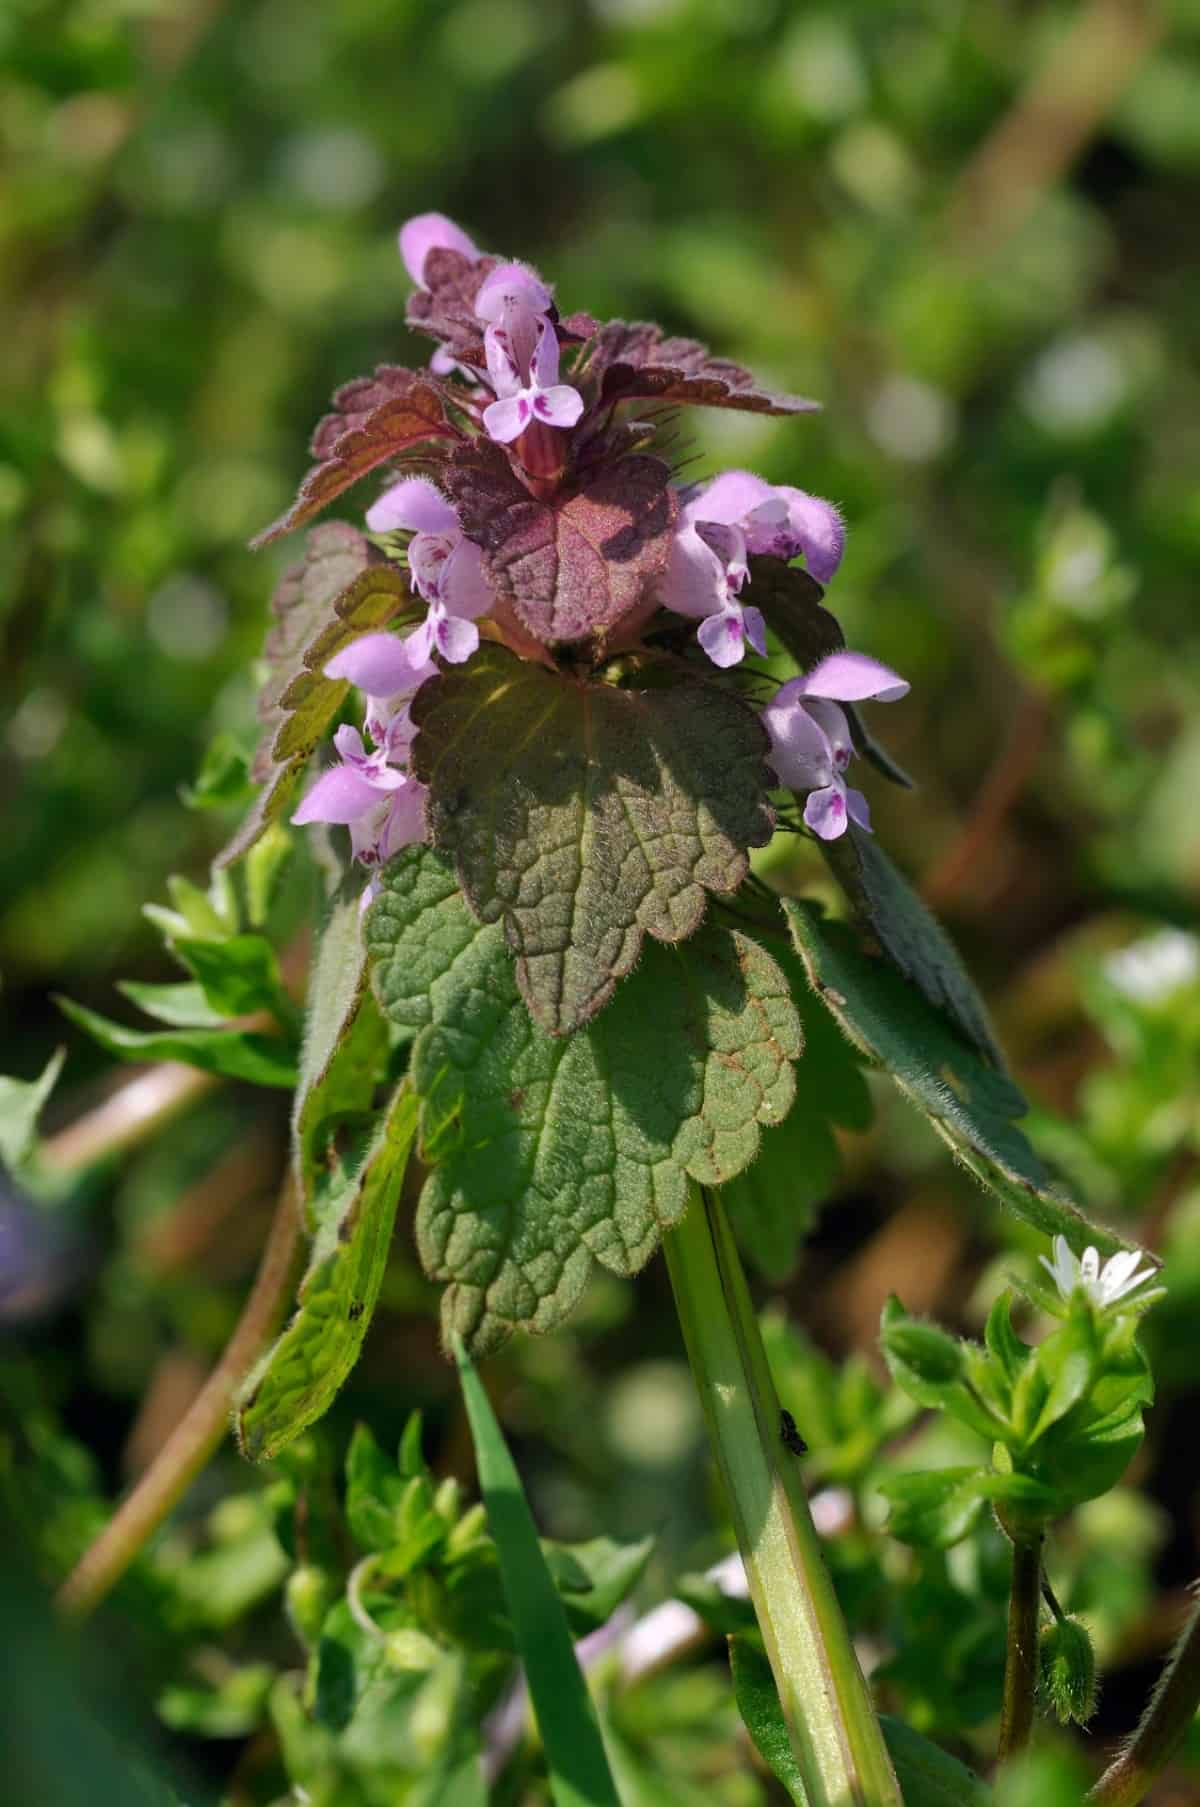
(570, 568)
(638, 362)
(376, 418)
(445, 307)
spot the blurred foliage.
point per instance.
(996, 306)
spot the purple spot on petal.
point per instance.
(523, 410)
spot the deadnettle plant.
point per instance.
(558, 698)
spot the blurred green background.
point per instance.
(968, 228)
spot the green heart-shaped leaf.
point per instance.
(550, 1153)
(584, 817)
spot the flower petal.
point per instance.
(456, 639)
(800, 751)
(465, 590)
(817, 529)
(507, 419)
(427, 232)
(756, 629)
(855, 678)
(405, 821)
(543, 368)
(414, 505)
(858, 809)
(559, 406)
(341, 794)
(694, 583)
(501, 363)
(826, 813)
(836, 729)
(511, 286)
(380, 664)
(729, 498)
(722, 638)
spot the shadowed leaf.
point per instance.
(375, 418)
(550, 1153)
(972, 1106)
(891, 911)
(791, 603)
(444, 305)
(344, 1040)
(301, 1374)
(584, 817)
(235, 1053)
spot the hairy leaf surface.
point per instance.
(971, 1105)
(584, 817)
(300, 1376)
(889, 908)
(374, 419)
(548, 1152)
(569, 568)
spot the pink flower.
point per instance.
(522, 356)
(383, 808)
(734, 517)
(811, 744)
(427, 232)
(446, 568)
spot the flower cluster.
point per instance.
(1107, 1285)
(539, 519)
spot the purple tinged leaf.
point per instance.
(375, 419)
(569, 568)
(639, 362)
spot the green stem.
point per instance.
(1167, 1718)
(835, 1733)
(1021, 1663)
(202, 1427)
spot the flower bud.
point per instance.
(410, 1649)
(1068, 1671)
(307, 1600)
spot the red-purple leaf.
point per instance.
(637, 362)
(375, 419)
(444, 306)
(573, 566)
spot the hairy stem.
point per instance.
(1170, 1712)
(834, 1730)
(202, 1428)
(1021, 1664)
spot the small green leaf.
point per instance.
(585, 817)
(579, 1772)
(183, 1006)
(234, 1053)
(890, 910)
(300, 1376)
(238, 976)
(928, 1775)
(223, 778)
(344, 1041)
(1003, 1341)
(593, 1578)
(551, 1152)
(971, 1105)
(21, 1104)
(935, 1508)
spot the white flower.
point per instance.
(1153, 968)
(1105, 1286)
